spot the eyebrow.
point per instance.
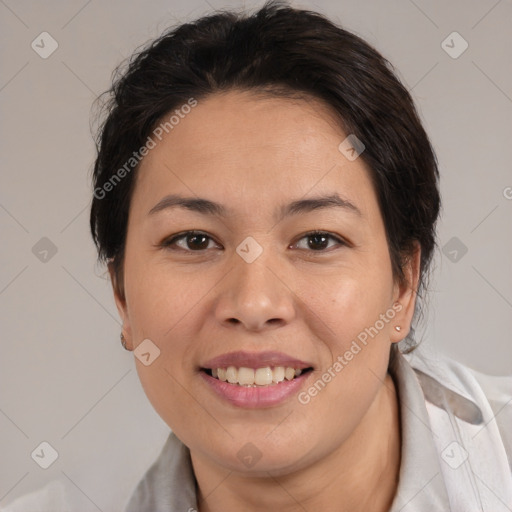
(300, 206)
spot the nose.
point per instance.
(255, 296)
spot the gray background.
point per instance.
(64, 377)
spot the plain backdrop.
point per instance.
(64, 377)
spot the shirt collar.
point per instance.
(421, 485)
(169, 484)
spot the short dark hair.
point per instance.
(277, 51)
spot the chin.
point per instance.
(279, 464)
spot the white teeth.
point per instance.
(245, 376)
(248, 377)
(232, 374)
(278, 374)
(263, 376)
(289, 373)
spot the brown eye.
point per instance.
(193, 241)
(318, 240)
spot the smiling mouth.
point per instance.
(255, 377)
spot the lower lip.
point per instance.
(258, 396)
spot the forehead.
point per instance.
(245, 150)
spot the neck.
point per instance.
(361, 474)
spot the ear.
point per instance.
(405, 294)
(120, 300)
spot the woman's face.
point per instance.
(253, 290)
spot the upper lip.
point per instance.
(255, 360)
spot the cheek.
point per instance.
(168, 317)
(168, 393)
(161, 297)
(351, 301)
(162, 308)
(355, 347)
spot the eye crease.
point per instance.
(317, 237)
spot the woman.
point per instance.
(266, 198)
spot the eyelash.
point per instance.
(169, 242)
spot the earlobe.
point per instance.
(405, 294)
(119, 296)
